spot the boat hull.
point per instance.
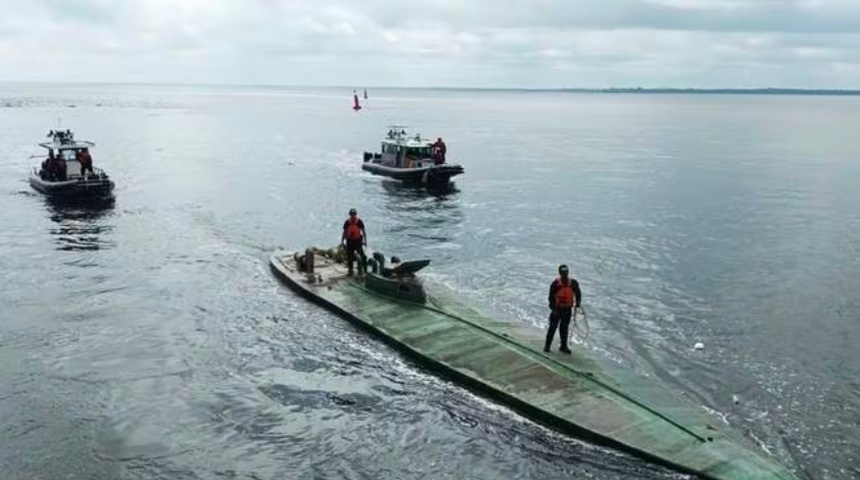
(77, 188)
(430, 175)
(573, 394)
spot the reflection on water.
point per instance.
(81, 224)
(428, 215)
(406, 190)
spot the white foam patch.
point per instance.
(716, 413)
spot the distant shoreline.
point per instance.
(608, 90)
(659, 91)
(715, 91)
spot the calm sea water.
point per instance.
(147, 338)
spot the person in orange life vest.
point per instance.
(564, 296)
(354, 238)
(439, 150)
(86, 161)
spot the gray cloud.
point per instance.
(530, 43)
(808, 16)
(84, 11)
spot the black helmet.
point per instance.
(562, 269)
(351, 211)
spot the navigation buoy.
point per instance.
(699, 346)
(355, 104)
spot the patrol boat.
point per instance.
(409, 159)
(573, 394)
(60, 173)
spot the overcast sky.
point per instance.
(466, 43)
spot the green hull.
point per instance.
(569, 393)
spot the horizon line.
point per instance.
(571, 89)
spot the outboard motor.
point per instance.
(305, 262)
(367, 156)
(309, 260)
(379, 263)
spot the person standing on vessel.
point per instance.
(564, 296)
(48, 167)
(60, 167)
(354, 238)
(86, 161)
(439, 150)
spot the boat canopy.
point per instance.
(65, 140)
(397, 135)
(77, 145)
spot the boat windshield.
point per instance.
(67, 154)
(420, 152)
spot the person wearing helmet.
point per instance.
(354, 238)
(564, 296)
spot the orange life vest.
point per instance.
(564, 294)
(353, 231)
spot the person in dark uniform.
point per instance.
(564, 296)
(48, 167)
(354, 238)
(439, 151)
(60, 167)
(86, 161)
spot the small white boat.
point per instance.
(61, 175)
(410, 159)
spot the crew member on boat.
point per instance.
(439, 150)
(48, 166)
(54, 167)
(85, 160)
(564, 296)
(354, 238)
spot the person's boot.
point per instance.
(564, 349)
(546, 347)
